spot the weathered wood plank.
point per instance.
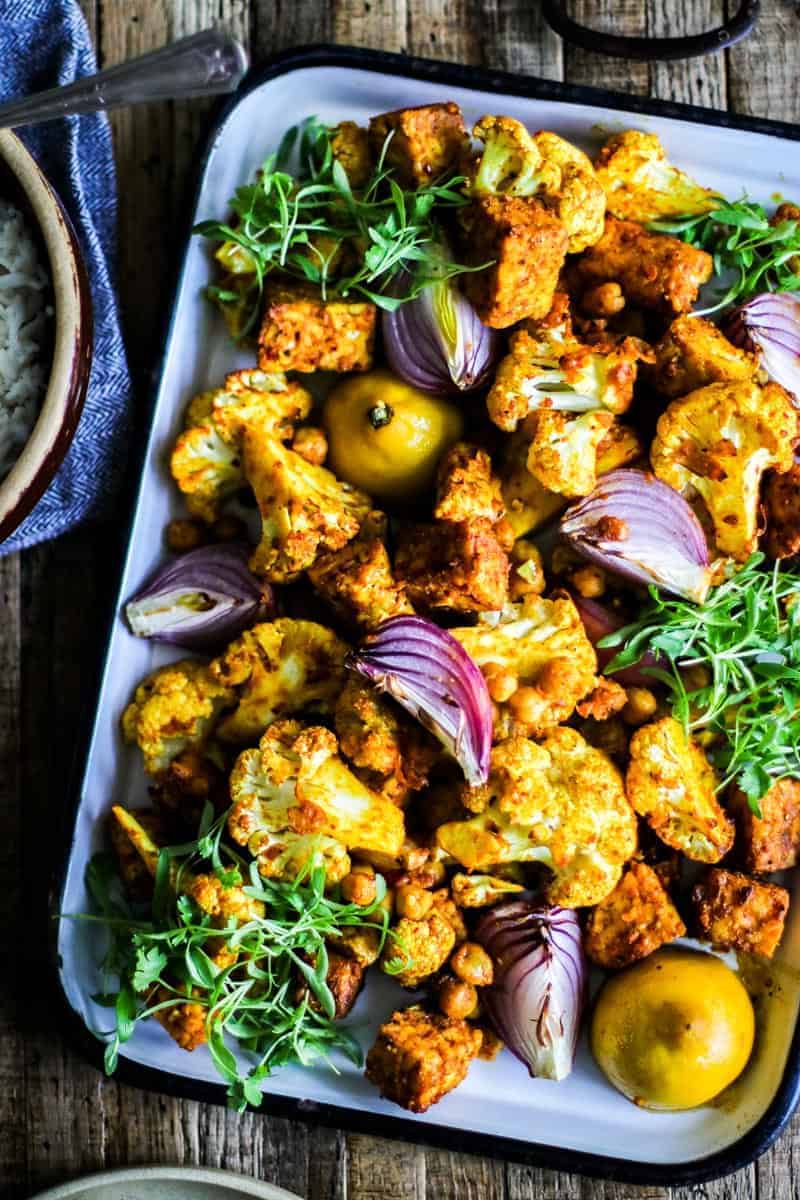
(696, 80)
(515, 37)
(608, 16)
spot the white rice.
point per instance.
(24, 319)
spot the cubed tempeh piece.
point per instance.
(427, 142)
(302, 332)
(457, 565)
(770, 842)
(633, 921)
(735, 912)
(419, 1057)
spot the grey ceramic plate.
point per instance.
(166, 1183)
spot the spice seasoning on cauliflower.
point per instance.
(716, 443)
(543, 644)
(296, 783)
(693, 353)
(174, 708)
(560, 803)
(359, 583)
(641, 184)
(279, 668)
(671, 784)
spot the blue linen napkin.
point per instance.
(44, 43)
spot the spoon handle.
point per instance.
(204, 64)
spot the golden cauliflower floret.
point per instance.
(578, 199)
(653, 270)
(693, 353)
(559, 802)
(425, 143)
(734, 912)
(302, 332)
(350, 146)
(296, 782)
(380, 739)
(358, 582)
(633, 920)
(206, 461)
(419, 1057)
(716, 443)
(516, 163)
(526, 246)
(174, 708)
(548, 367)
(641, 184)
(563, 450)
(423, 947)
(466, 486)
(277, 669)
(672, 785)
(529, 504)
(458, 565)
(305, 510)
(480, 890)
(544, 645)
(131, 868)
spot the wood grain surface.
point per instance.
(58, 1117)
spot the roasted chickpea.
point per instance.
(413, 901)
(526, 705)
(359, 887)
(500, 682)
(695, 678)
(563, 559)
(640, 707)
(311, 444)
(472, 964)
(457, 998)
(184, 534)
(229, 529)
(589, 581)
(604, 300)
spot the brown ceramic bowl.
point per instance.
(23, 185)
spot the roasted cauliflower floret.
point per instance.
(277, 669)
(206, 461)
(716, 443)
(653, 270)
(641, 184)
(419, 1057)
(693, 353)
(563, 450)
(543, 644)
(295, 782)
(305, 510)
(380, 740)
(529, 504)
(560, 803)
(672, 785)
(547, 367)
(422, 947)
(174, 708)
(184, 1020)
(479, 891)
(633, 920)
(515, 163)
(459, 565)
(466, 486)
(359, 583)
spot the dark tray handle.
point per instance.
(645, 48)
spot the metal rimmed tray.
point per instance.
(581, 1124)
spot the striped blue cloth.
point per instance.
(44, 43)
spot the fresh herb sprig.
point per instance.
(738, 235)
(243, 976)
(747, 637)
(312, 225)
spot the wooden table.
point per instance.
(58, 1117)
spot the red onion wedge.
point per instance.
(201, 599)
(770, 324)
(426, 670)
(637, 526)
(599, 622)
(536, 1001)
(437, 343)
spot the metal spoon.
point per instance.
(204, 64)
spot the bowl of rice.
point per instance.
(45, 333)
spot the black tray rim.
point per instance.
(763, 1134)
